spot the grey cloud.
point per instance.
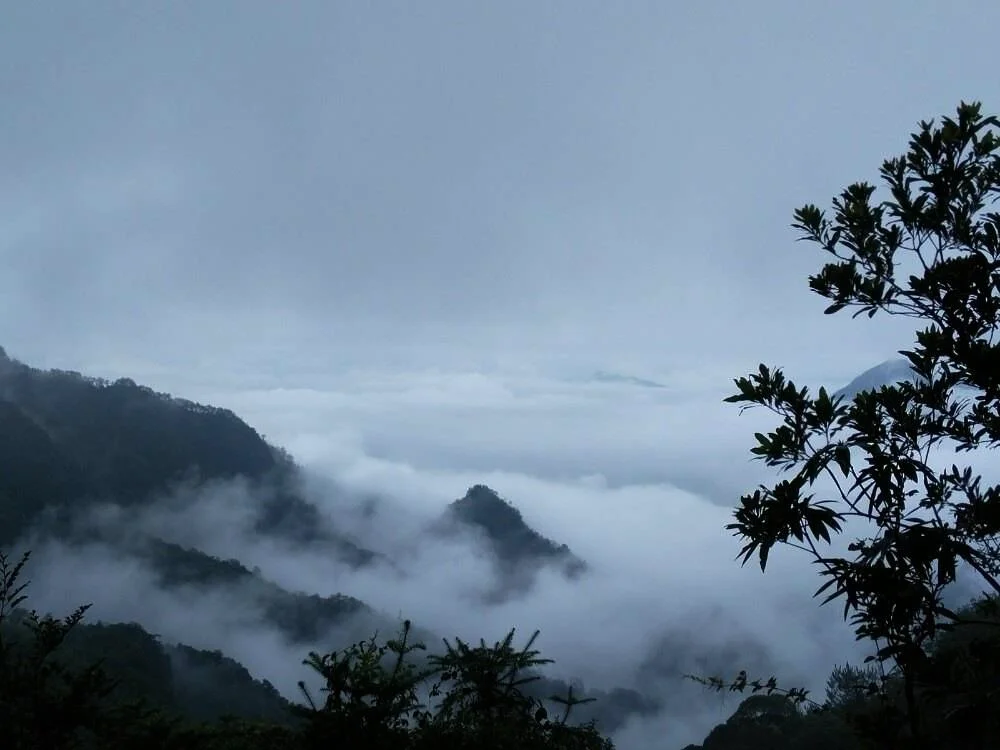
(446, 178)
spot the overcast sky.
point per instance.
(284, 187)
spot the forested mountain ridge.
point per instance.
(129, 439)
(299, 616)
(66, 438)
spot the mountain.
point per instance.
(890, 372)
(209, 685)
(34, 472)
(886, 373)
(301, 617)
(513, 543)
(129, 441)
(67, 441)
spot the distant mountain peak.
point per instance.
(512, 540)
(483, 492)
(479, 499)
(483, 507)
(890, 372)
(885, 373)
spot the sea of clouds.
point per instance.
(638, 480)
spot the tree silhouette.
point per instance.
(927, 248)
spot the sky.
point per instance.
(305, 186)
(398, 238)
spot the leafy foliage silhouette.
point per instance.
(929, 250)
(372, 699)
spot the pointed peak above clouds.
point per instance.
(512, 540)
(890, 372)
(885, 373)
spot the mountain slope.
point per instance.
(302, 617)
(67, 440)
(197, 684)
(129, 439)
(33, 472)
